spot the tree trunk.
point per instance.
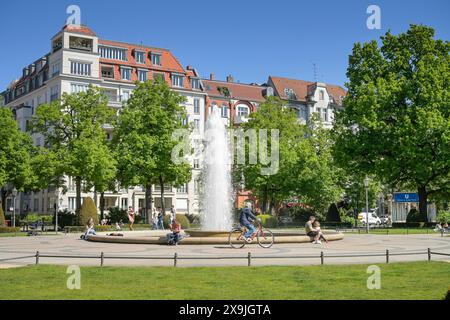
(4, 194)
(161, 184)
(78, 195)
(148, 200)
(423, 197)
(102, 205)
(264, 200)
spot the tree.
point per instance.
(305, 165)
(88, 210)
(143, 139)
(396, 119)
(2, 217)
(16, 148)
(73, 131)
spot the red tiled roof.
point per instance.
(238, 91)
(78, 29)
(302, 88)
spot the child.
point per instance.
(316, 226)
(176, 230)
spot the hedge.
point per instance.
(88, 210)
(9, 229)
(413, 224)
(100, 228)
(181, 218)
(268, 220)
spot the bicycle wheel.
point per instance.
(265, 238)
(236, 239)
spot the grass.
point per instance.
(396, 231)
(415, 280)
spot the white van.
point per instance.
(373, 218)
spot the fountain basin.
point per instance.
(206, 233)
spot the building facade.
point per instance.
(78, 58)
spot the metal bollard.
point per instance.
(249, 259)
(102, 258)
(387, 256)
(37, 257)
(429, 254)
(321, 257)
(175, 258)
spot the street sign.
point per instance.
(406, 197)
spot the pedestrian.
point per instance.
(173, 214)
(131, 216)
(160, 219)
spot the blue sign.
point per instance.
(406, 197)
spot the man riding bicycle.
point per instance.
(246, 218)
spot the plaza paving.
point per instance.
(351, 244)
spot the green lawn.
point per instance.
(417, 280)
(394, 231)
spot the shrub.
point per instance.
(268, 220)
(32, 217)
(412, 224)
(415, 216)
(116, 214)
(9, 229)
(193, 218)
(181, 218)
(2, 217)
(88, 210)
(67, 218)
(333, 214)
(443, 217)
(447, 296)
(300, 214)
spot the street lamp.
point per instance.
(14, 195)
(366, 187)
(56, 212)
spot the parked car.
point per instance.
(373, 218)
(384, 219)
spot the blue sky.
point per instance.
(248, 39)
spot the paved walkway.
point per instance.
(352, 244)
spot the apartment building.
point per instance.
(78, 58)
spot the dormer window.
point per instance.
(195, 83)
(139, 56)
(113, 53)
(177, 80)
(321, 95)
(156, 58)
(290, 94)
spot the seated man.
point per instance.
(246, 218)
(311, 232)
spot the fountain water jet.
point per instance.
(217, 194)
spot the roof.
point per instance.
(81, 29)
(238, 91)
(302, 88)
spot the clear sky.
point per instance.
(248, 39)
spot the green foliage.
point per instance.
(73, 128)
(415, 216)
(268, 220)
(116, 214)
(67, 218)
(181, 218)
(88, 210)
(32, 217)
(305, 163)
(302, 214)
(333, 214)
(396, 118)
(2, 217)
(9, 229)
(443, 217)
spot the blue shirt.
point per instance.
(246, 216)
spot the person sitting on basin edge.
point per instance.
(310, 231)
(246, 218)
(316, 226)
(174, 238)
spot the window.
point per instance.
(156, 58)
(224, 111)
(158, 76)
(290, 94)
(197, 186)
(124, 203)
(75, 87)
(125, 73)
(183, 188)
(113, 53)
(107, 72)
(55, 69)
(71, 203)
(321, 95)
(243, 111)
(36, 204)
(177, 80)
(197, 124)
(78, 43)
(302, 112)
(324, 114)
(54, 93)
(139, 56)
(142, 75)
(80, 68)
(126, 95)
(195, 84)
(196, 164)
(197, 106)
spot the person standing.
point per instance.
(131, 216)
(160, 219)
(173, 214)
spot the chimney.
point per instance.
(229, 78)
(211, 76)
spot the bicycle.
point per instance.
(264, 237)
